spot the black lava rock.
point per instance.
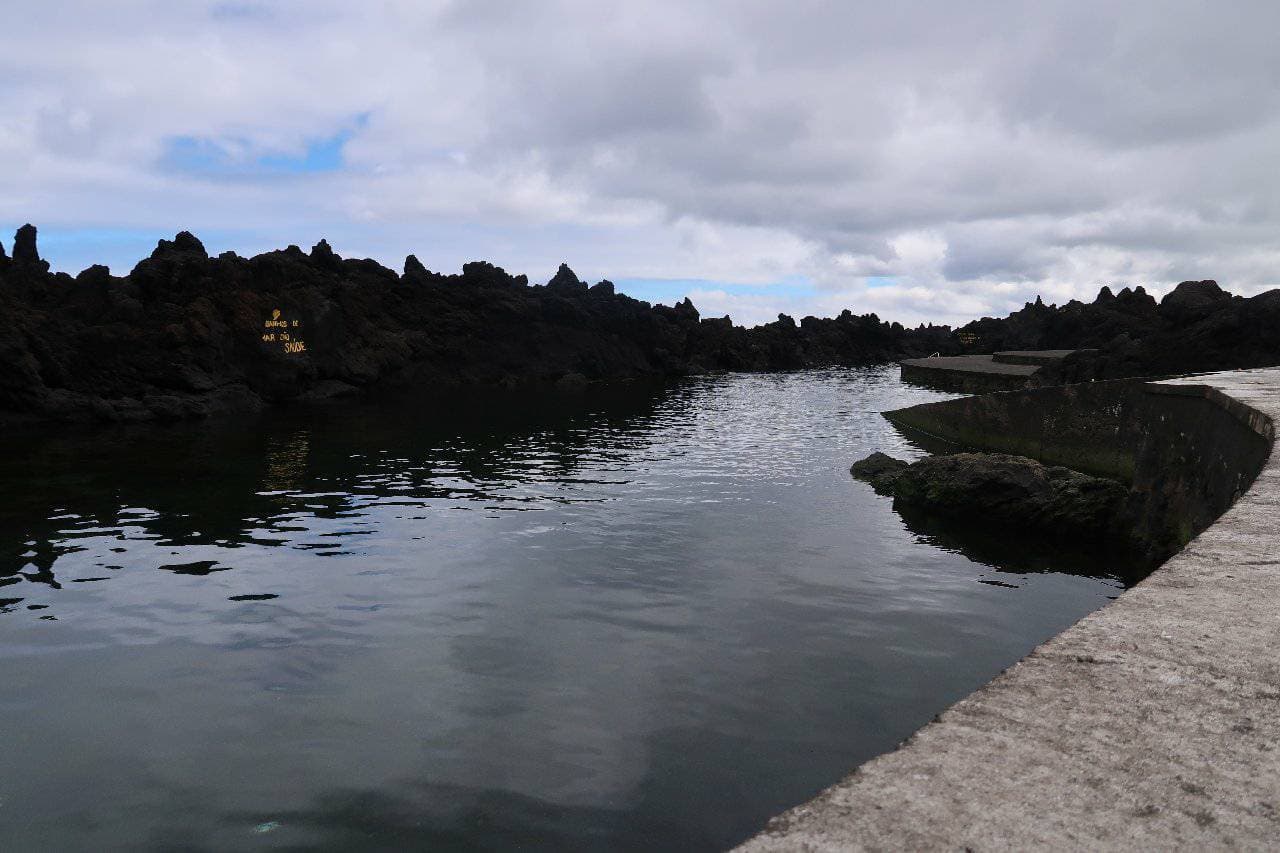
(413, 267)
(1013, 492)
(879, 470)
(185, 335)
(1196, 327)
(24, 246)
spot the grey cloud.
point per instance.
(1047, 146)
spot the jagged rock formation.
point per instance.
(24, 246)
(186, 335)
(1196, 327)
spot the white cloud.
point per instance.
(975, 154)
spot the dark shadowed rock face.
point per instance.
(414, 267)
(184, 243)
(565, 279)
(1196, 327)
(24, 246)
(184, 335)
(1193, 298)
(1011, 491)
(879, 470)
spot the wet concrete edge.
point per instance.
(1151, 723)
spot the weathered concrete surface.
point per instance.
(1091, 426)
(1152, 724)
(1183, 455)
(1002, 371)
(970, 373)
(1039, 357)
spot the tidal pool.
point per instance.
(640, 618)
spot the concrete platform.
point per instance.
(1152, 724)
(968, 373)
(1037, 357)
(978, 374)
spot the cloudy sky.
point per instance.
(926, 161)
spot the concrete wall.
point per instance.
(930, 374)
(1198, 451)
(1152, 723)
(1187, 453)
(1090, 427)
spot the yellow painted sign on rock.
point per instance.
(287, 333)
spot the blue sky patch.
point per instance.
(239, 157)
(874, 281)
(240, 12)
(671, 290)
(73, 249)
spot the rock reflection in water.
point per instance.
(651, 617)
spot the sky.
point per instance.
(928, 161)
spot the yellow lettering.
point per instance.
(289, 343)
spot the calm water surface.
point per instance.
(643, 619)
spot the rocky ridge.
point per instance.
(186, 335)
(1196, 327)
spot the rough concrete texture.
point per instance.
(970, 373)
(1091, 427)
(1034, 356)
(1152, 724)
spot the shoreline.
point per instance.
(1149, 723)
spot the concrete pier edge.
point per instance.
(1152, 723)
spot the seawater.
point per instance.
(632, 618)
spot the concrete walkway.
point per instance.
(1152, 724)
(979, 374)
(972, 374)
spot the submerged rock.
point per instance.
(1014, 491)
(879, 470)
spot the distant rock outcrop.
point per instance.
(1198, 326)
(24, 248)
(1192, 300)
(185, 335)
(413, 267)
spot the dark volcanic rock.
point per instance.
(879, 470)
(24, 245)
(324, 256)
(1196, 327)
(1018, 493)
(1192, 300)
(413, 267)
(184, 335)
(566, 280)
(183, 243)
(24, 248)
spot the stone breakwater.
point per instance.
(186, 335)
(1151, 723)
